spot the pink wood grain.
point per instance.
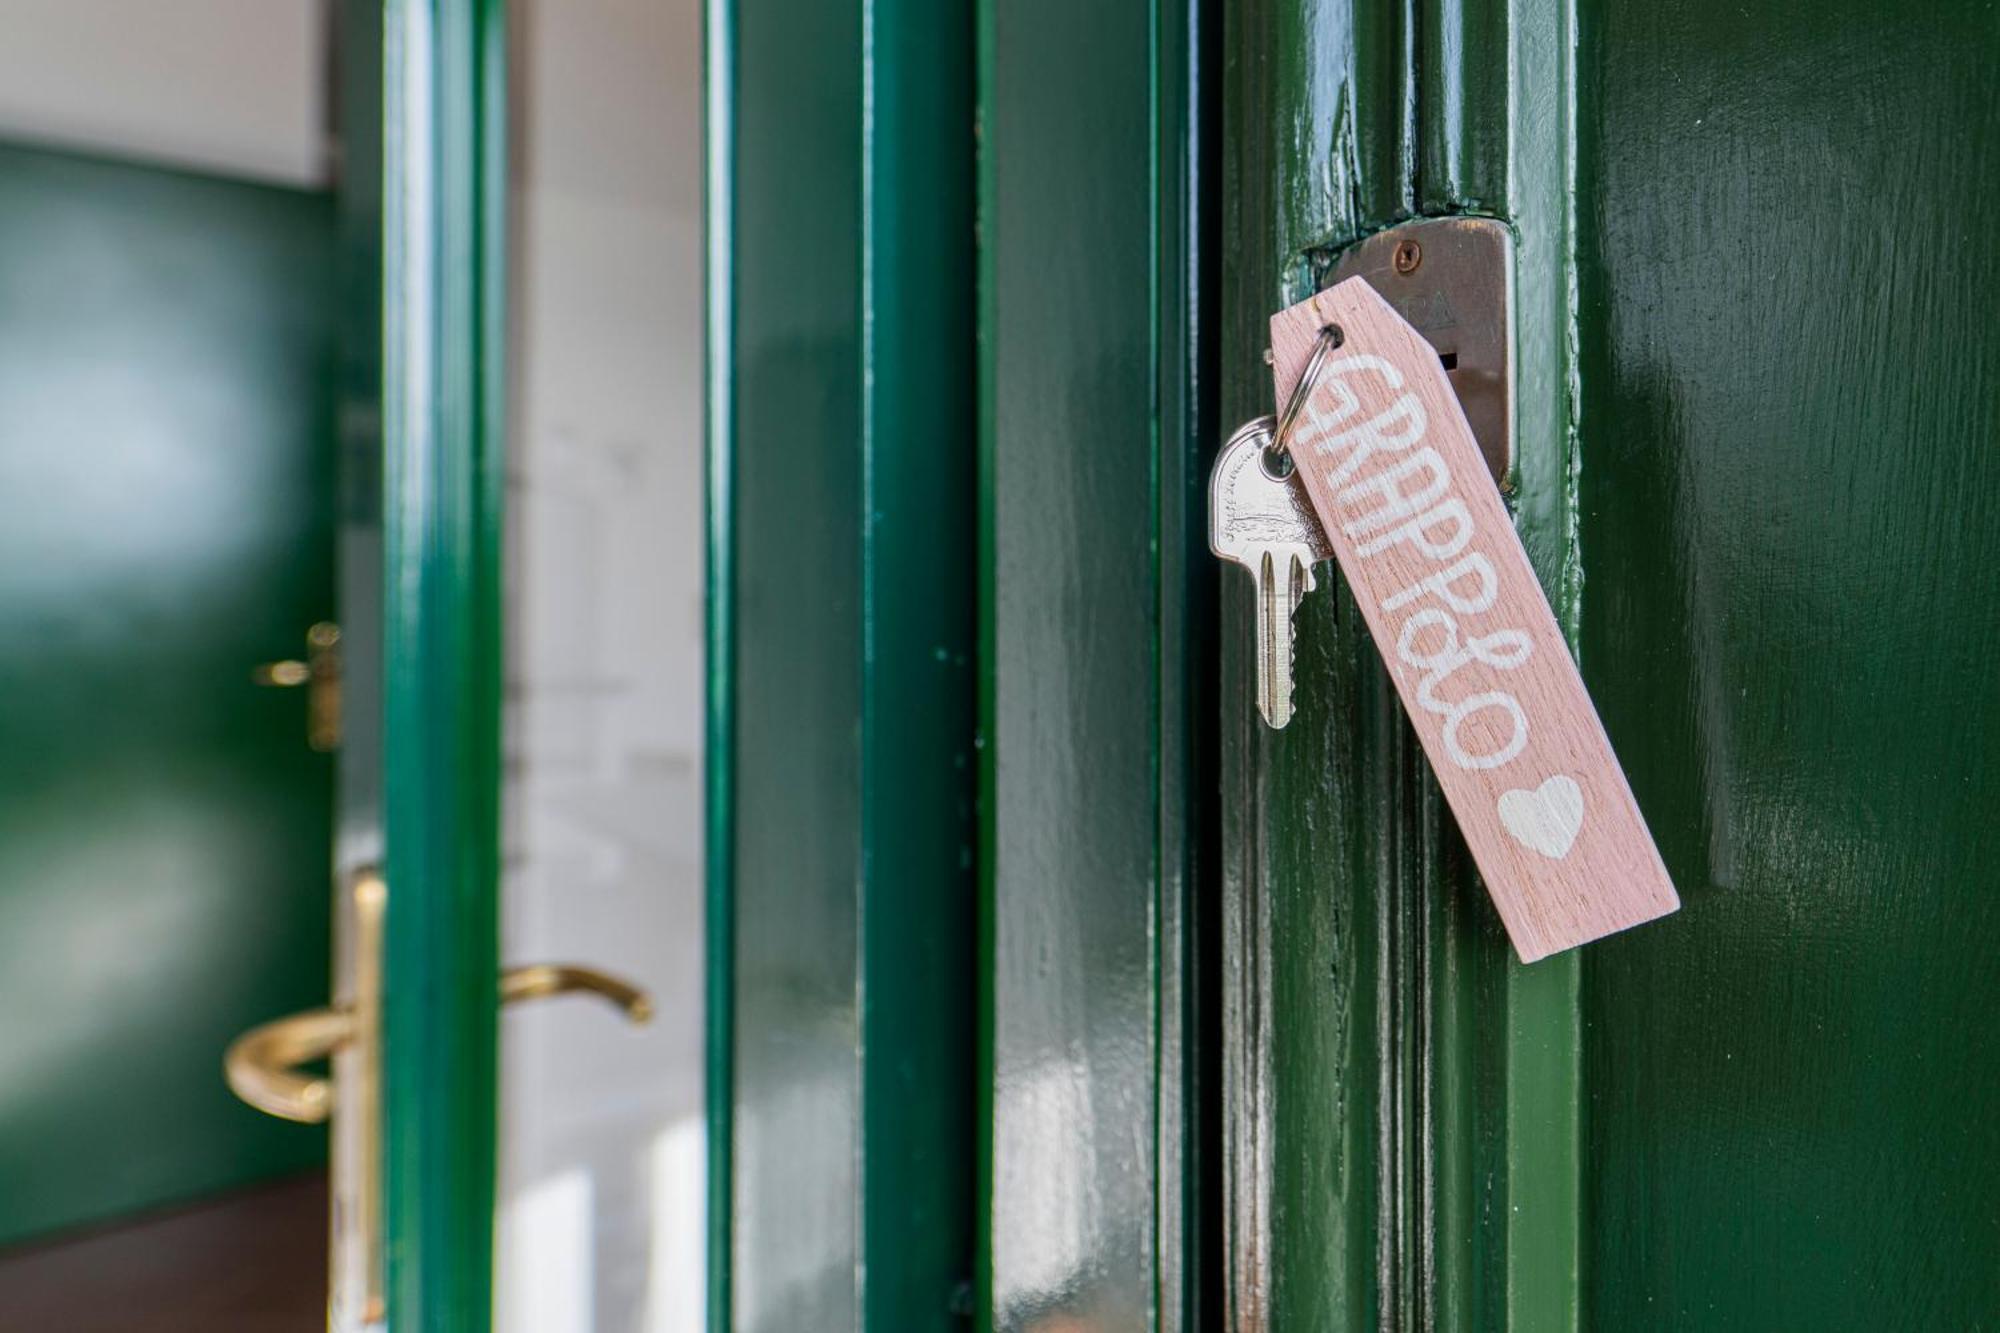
(1482, 667)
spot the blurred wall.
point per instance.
(601, 1218)
(237, 87)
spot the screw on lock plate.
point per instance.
(1453, 279)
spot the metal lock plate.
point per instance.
(1453, 279)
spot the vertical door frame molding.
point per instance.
(842, 908)
(1098, 834)
(1404, 1099)
(444, 291)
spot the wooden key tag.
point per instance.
(1431, 555)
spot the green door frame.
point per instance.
(1098, 831)
(1773, 1083)
(1152, 949)
(850, 1075)
(444, 199)
(1403, 1099)
(1397, 1136)
(841, 907)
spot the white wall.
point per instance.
(237, 87)
(601, 1222)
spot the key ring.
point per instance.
(1330, 337)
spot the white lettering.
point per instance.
(1517, 738)
(1406, 501)
(1503, 650)
(1395, 502)
(1393, 429)
(1417, 532)
(1318, 421)
(1440, 586)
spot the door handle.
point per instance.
(538, 981)
(262, 1066)
(319, 672)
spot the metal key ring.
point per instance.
(1330, 337)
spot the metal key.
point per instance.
(1267, 525)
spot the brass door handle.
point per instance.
(320, 672)
(262, 1065)
(264, 1068)
(536, 981)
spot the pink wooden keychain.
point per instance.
(1430, 553)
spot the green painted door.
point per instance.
(166, 524)
(1252, 1050)
(1790, 515)
(1757, 471)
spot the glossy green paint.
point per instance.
(841, 718)
(1317, 129)
(1403, 1099)
(1187, 944)
(1757, 410)
(1790, 518)
(443, 284)
(1094, 601)
(166, 516)
(719, 641)
(1316, 876)
(919, 946)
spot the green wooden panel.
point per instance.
(1096, 605)
(1791, 514)
(443, 391)
(842, 904)
(1329, 857)
(1187, 933)
(919, 917)
(1403, 1098)
(166, 515)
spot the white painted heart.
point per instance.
(1546, 819)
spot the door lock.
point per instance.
(1453, 280)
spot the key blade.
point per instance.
(1279, 590)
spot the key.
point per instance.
(1267, 525)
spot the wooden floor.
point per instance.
(254, 1262)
